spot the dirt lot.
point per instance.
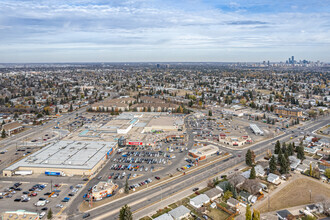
(218, 214)
(297, 193)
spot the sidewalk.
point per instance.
(150, 210)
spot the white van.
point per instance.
(41, 215)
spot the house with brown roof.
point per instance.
(154, 107)
(12, 128)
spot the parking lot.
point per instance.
(39, 197)
(138, 164)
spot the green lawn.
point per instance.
(173, 205)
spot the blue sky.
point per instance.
(163, 30)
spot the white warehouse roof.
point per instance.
(67, 154)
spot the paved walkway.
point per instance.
(150, 210)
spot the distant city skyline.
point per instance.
(163, 31)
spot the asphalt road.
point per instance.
(141, 199)
(12, 140)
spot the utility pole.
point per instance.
(268, 202)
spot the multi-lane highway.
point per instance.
(143, 198)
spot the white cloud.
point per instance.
(33, 27)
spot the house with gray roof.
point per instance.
(199, 200)
(180, 212)
(236, 180)
(273, 178)
(213, 193)
(283, 214)
(294, 162)
(245, 196)
(233, 202)
(165, 216)
(222, 186)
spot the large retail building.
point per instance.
(65, 158)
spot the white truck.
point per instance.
(23, 172)
(40, 203)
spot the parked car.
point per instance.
(86, 215)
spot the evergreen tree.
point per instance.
(3, 134)
(50, 214)
(300, 153)
(286, 155)
(126, 187)
(280, 158)
(248, 213)
(284, 166)
(235, 193)
(277, 147)
(252, 173)
(272, 164)
(283, 147)
(210, 113)
(71, 108)
(310, 169)
(290, 149)
(125, 213)
(248, 158)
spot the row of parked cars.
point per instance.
(140, 184)
(141, 160)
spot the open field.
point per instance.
(297, 193)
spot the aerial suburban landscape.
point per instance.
(164, 110)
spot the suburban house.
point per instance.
(236, 180)
(180, 212)
(12, 128)
(165, 216)
(199, 200)
(222, 186)
(252, 186)
(260, 171)
(233, 202)
(213, 193)
(273, 178)
(283, 214)
(294, 162)
(245, 196)
(324, 152)
(301, 168)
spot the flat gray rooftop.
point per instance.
(67, 154)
